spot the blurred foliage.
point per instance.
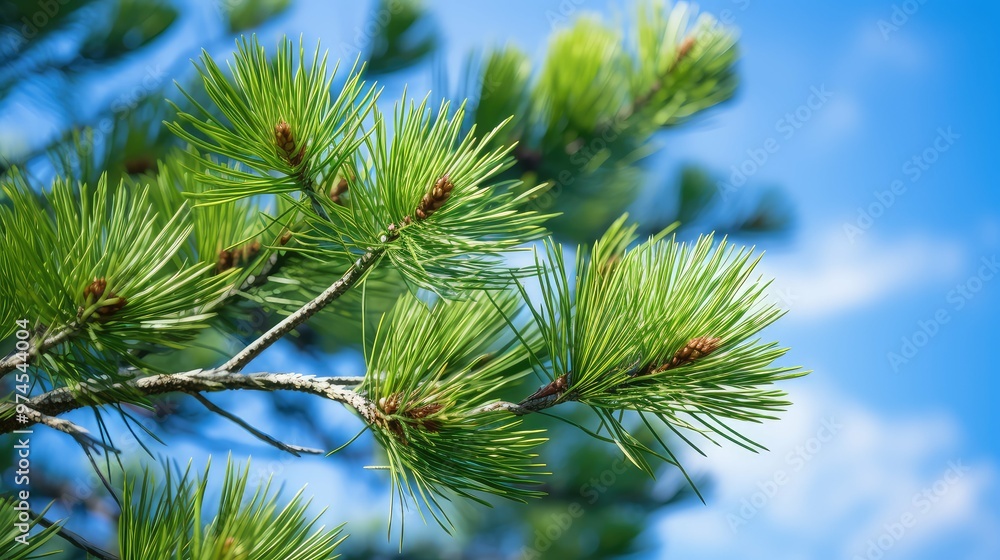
(247, 14)
(588, 118)
(134, 23)
(597, 507)
(401, 34)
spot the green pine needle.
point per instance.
(429, 369)
(11, 545)
(624, 333)
(101, 262)
(261, 94)
(163, 519)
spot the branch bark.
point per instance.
(75, 539)
(61, 401)
(11, 362)
(337, 289)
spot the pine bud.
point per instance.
(110, 309)
(695, 349)
(390, 404)
(96, 291)
(558, 386)
(685, 47)
(224, 262)
(285, 141)
(237, 257)
(424, 411)
(338, 190)
(251, 250)
(435, 199)
(421, 413)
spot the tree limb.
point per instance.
(61, 401)
(11, 362)
(79, 433)
(74, 539)
(296, 450)
(337, 289)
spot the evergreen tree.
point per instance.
(394, 231)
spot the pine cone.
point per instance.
(285, 141)
(695, 349)
(109, 310)
(237, 257)
(421, 413)
(338, 190)
(224, 262)
(97, 290)
(424, 411)
(436, 198)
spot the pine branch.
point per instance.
(268, 439)
(79, 433)
(61, 401)
(337, 289)
(75, 539)
(11, 362)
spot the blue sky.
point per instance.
(868, 433)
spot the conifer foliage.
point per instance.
(297, 192)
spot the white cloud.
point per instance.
(828, 275)
(875, 50)
(836, 474)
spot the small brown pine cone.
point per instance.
(285, 237)
(251, 250)
(435, 199)
(110, 309)
(285, 140)
(424, 411)
(685, 48)
(337, 191)
(695, 349)
(95, 289)
(225, 261)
